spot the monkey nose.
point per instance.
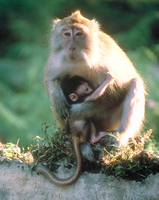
(72, 48)
(90, 91)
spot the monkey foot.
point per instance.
(110, 141)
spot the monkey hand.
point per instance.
(60, 107)
(61, 111)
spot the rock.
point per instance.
(17, 182)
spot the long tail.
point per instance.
(62, 182)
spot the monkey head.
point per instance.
(72, 34)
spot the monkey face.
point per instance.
(83, 90)
(73, 36)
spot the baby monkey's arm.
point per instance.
(101, 89)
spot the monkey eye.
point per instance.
(67, 34)
(87, 90)
(79, 34)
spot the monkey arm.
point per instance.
(59, 103)
(100, 90)
(84, 110)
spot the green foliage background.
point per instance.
(25, 28)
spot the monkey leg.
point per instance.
(94, 136)
(80, 128)
(133, 111)
(62, 182)
(95, 139)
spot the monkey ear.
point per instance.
(73, 97)
(95, 24)
(55, 21)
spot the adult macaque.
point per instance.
(79, 47)
(77, 90)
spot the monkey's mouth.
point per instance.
(72, 57)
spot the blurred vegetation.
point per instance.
(25, 28)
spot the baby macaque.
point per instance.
(76, 90)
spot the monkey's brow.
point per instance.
(72, 27)
(75, 26)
